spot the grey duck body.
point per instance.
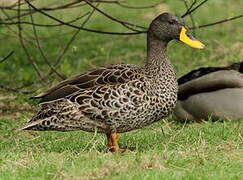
(215, 92)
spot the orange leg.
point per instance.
(200, 121)
(113, 143)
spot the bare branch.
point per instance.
(73, 38)
(126, 24)
(140, 7)
(6, 57)
(191, 9)
(26, 36)
(42, 53)
(32, 11)
(217, 22)
(17, 90)
(85, 29)
(17, 4)
(191, 17)
(44, 25)
(33, 63)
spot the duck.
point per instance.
(214, 93)
(117, 98)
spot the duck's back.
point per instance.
(206, 70)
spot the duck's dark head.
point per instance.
(168, 26)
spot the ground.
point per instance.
(164, 150)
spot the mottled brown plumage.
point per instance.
(115, 98)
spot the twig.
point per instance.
(191, 17)
(117, 20)
(65, 6)
(140, 7)
(17, 90)
(17, 4)
(25, 49)
(191, 9)
(59, 58)
(6, 57)
(42, 53)
(43, 25)
(73, 38)
(85, 29)
(26, 38)
(68, 5)
(217, 22)
(130, 7)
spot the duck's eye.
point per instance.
(171, 22)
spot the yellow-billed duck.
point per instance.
(117, 98)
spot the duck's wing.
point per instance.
(112, 74)
(213, 81)
(206, 70)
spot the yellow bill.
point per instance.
(189, 40)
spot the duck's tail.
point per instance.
(46, 119)
(41, 121)
(55, 119)
(30, 126)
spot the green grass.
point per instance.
(164, 150)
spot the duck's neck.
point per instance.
(157, 59)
